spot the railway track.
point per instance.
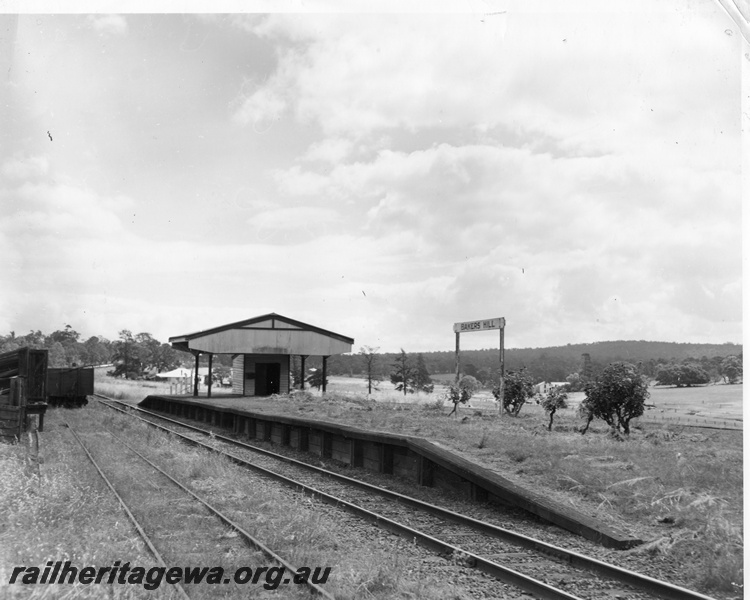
(131, 517)
(253, 552)
(539, 568)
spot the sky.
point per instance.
(572, 167)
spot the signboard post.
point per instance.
(482, 325)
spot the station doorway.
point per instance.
(267, 379)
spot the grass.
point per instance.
(68, 514)
(126, 389)
(65, 514)
(678, 488)
(719, 402)
(692, 477)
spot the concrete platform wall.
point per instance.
(408, 457)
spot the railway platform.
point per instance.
(425, 462)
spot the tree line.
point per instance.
(131, 355)
(559, 363)
(138, 355)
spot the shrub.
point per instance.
(517, 389)
(437, 404)
(315, 379)
(403, 374)
(555, 399)
(731, 369)
(462, 393)
(616, 396)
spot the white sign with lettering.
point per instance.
(481, 325)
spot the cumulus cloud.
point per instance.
(575, 173)
(353, 75)
(553, 74)
(262, 109)
(63, 234)
(597, 239)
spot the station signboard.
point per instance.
(481, 325)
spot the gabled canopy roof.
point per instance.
(266, 334)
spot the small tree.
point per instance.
(731, 369)
(462, 392)
(96, 351)
(695, 375)
(554, 400)
(665, 375)
(469, 383)
(518, 389)
(403, 374)
(315, 378)
(617, 396)
(422, 379)
(125, 356)
(369, 359)
(166, 358)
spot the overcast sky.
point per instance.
(576, 171)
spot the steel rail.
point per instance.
(504, 574)
(660, 588)
(131, 516)
(249, 538)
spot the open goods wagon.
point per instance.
(69, 386)
(23, 377)
(27, 364)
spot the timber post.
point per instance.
(32, 447)
(210, 373)
(501, 397)
(195, 377)
(458, 356)
(325, 373)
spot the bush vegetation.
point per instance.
(553, 401)
(514, 391)
(617, 396)
(681, 375)
(462, 392)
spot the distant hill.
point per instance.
(633, 350)
(555, 363)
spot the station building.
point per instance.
(261, 350)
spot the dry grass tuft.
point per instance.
(66, 514)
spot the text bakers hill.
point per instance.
(479, 325)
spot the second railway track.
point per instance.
(176, 519)
(539, 568)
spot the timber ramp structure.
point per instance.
(413, 458)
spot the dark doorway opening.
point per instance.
(267, 379)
